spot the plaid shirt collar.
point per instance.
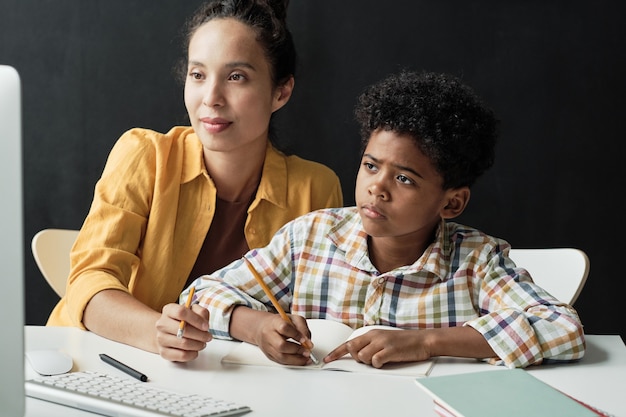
(350, 238)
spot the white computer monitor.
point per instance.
(12, 400)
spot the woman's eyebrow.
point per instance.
(244, 64)
(235, 64)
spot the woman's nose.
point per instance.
(213, 94)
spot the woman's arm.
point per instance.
(118, 316)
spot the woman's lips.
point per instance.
(215, 125)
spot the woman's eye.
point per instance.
(236, 77)
(195, 75)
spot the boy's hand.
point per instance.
(378, 347)
(273, 337)
(195, 336)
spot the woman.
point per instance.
(170, 207)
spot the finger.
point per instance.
(355, 348)
(287, 330)
(280, 343)
(178, 355)
(170, 321)
(197, 317)
(289, 353)
(301, 326)
(365, 352)
(379, 359)
(202, 311)
(178, 349)
(339, 352)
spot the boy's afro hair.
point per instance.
(449, 122)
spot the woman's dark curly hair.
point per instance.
(449, 122)
(267, 17)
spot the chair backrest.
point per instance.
(51, 250)
(560, 271)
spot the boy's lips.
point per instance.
(372, 212)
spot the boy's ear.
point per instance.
(282, 94)
(457, 201)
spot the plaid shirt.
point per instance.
(318, 267)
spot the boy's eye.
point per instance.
(369, 166)
(404, 179)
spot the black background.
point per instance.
(552, 70)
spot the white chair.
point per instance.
(560, 271)
(51, 250)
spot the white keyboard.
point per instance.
(117, 397)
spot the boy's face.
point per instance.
(398, 191)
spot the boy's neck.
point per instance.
(387, 254)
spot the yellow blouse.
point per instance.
(152, 209)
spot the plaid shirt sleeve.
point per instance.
(522, 323)
(233, 285)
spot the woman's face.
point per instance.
(229, 93)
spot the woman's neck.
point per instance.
(236, 174)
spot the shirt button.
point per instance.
(381, 280)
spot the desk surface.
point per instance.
(599, 379)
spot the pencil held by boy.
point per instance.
(397, 258)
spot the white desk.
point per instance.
(599, 379)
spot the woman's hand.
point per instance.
(195, 336)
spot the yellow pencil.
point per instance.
(181, 327)
(277, 306)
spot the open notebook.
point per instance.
(327, 335)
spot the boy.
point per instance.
(395, 258)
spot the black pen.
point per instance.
(124, 368)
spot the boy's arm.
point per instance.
(234, 287)
(461, 342)
(378, 347)
(522, 323)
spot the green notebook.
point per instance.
(497, 393)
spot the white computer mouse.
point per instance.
(49, 361)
